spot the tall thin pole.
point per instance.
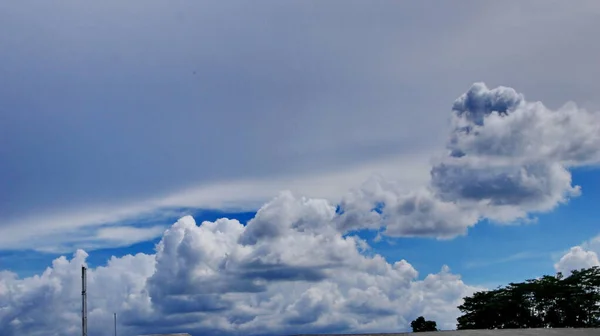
(83, 302)
(115, 324)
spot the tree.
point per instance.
(420, 324)
(547, 302)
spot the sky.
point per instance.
(284, 167)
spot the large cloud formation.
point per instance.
(287, 271)
(506, 158)
(297, 268)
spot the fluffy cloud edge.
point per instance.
(580, 256)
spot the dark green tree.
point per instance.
(420, 324)
(547, 302)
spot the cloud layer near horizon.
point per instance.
(288, 271)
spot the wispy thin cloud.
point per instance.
(244, 195)
(525, 255)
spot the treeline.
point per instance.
(549, 302)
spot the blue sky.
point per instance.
(355, 152)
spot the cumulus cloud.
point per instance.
(49, 304)
(289, 270)
(578, 257)
(384, 204)
(506, 158)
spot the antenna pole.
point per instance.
(83, 302)
(115, 324)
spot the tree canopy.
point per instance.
(420, 324)
(547, 302)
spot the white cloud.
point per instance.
(49, 304)
(288, 271)
(578, 257)
(506, 158)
